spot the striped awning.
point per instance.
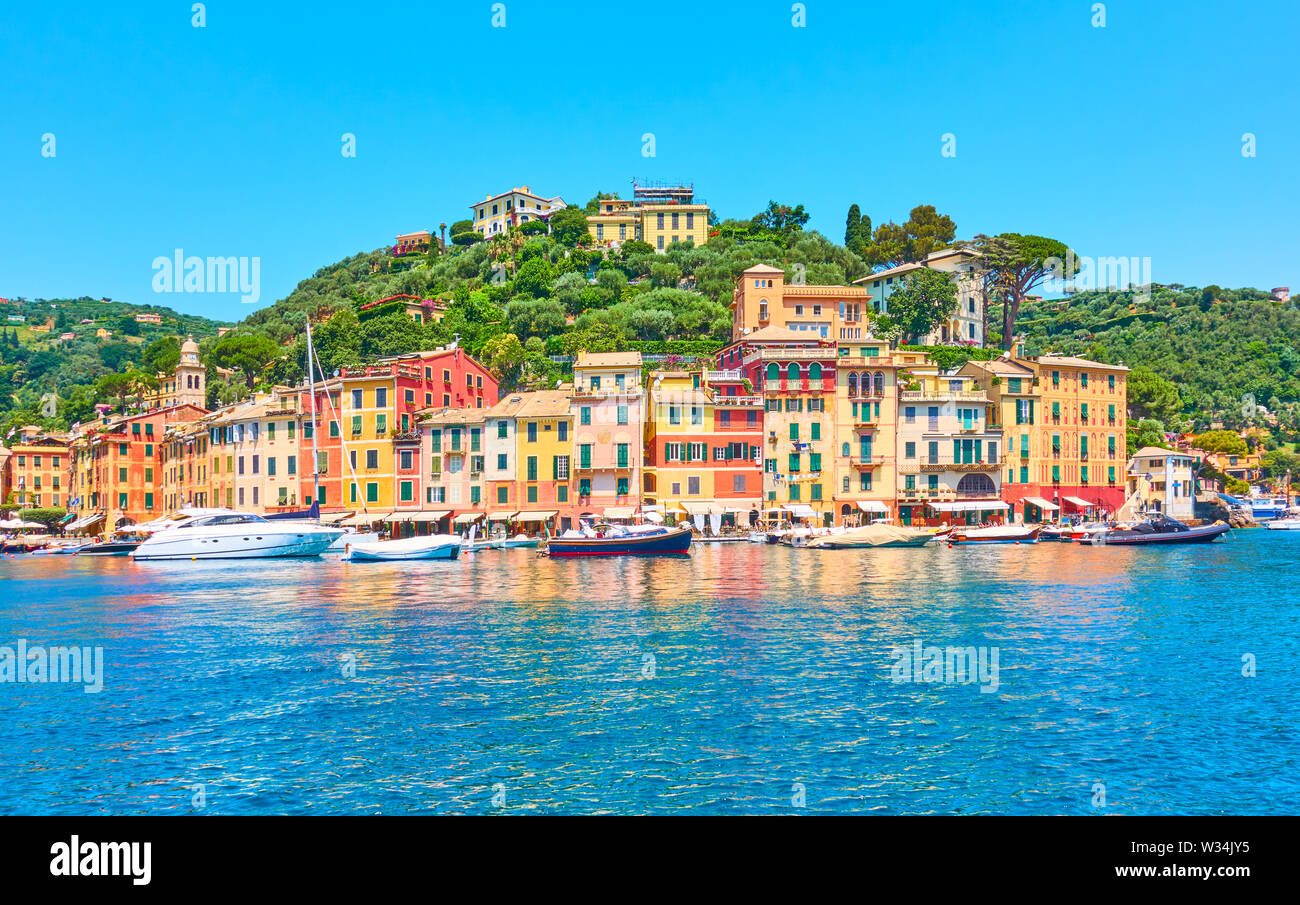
(86, 521)
(703, 507)
(620, 511)
(1075, 501)
(501, 515)
(436, 516)
(800, 510)
(872, 506)
(466, 517)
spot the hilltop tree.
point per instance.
(783, 219)
(1219, 441)
(927, 231)
(247, 352)
(569, 227)
(122, 388)
(1018, 265)
(1152, 396)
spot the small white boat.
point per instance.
(433, 546)
(995, 534)
(519, 540)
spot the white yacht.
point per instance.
(225, 534)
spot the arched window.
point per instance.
(815, 371)
(846, 453)
(792, 371)
(773, 371)
(880, 383)
(976, 485)
(853, 384)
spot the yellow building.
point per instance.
(1082, 433)
(657, 214)
(541, 492)
(866, 421)
(37, 470)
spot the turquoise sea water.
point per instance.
(743, 679)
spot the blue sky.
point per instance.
(225, 140)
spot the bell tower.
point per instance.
(191, 376)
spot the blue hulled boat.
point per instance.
(634, 540)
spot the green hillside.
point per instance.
(38, 358)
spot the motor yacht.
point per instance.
(225, 534)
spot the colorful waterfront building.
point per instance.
(1015, 407)
(1160, 481)
(1082, 428)
(36, 470)
(607, 404)
(380, 403)
(795, 373)
(764, 298)
(453, 444)
(117, 467)
(865, 412)
(532, 480)
(949, 456)
(703, 449)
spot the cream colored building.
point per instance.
(966, 325)
(1160, 481)
(496, 214)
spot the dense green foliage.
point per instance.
(49, 380)
(1195, 360)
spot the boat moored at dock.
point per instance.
(434, 546)
(223, 534)
(1159, 530)
(620, 540)
(995, 534)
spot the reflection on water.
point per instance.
(707, 684)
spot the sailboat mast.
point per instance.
(311, 385)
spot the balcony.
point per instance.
(406, 436)
(739, 401)
(865, 423)
(864, 464)
(723, 375)
(586, 392)
(947, 463)
(941, 395)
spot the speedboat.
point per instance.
(996, 534)
(119, 543)
(874, 536)
(621, 540)
(1160, 530)
(224, 534)
(433, 546)
(1290, 521)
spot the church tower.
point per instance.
(191, 376)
